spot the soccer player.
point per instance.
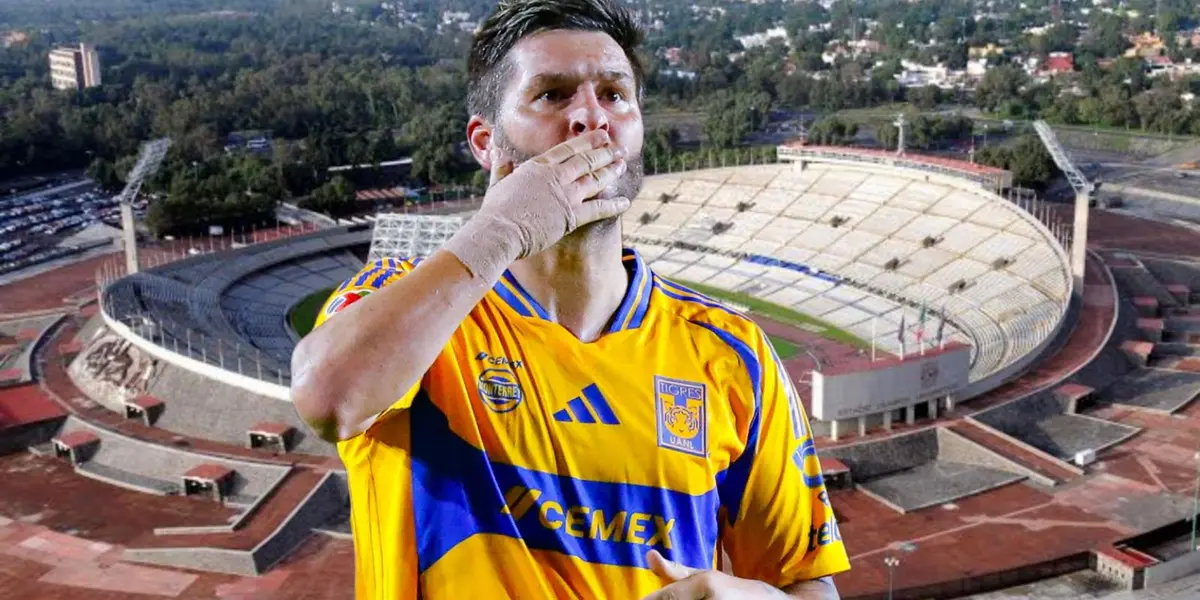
(531, 412)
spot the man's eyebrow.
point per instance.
(555, 79)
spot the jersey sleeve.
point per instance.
(779, 525)
(371, 278)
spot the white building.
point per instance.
(761, 39)
(74, 68)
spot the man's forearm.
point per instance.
(381, 346)
(814, 589)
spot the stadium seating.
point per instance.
(862, 243)
(863, 248)
(1042, 421)
(230, 307)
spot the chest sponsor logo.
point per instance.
(345, 299)
(498, 361)
(500, 390)
(682, 414)
(589, 522)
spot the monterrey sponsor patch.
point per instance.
(345, 299)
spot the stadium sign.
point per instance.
(884, 385)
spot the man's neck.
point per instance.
(580, 281)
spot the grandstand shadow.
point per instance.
(925, 468)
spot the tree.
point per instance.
(1105, 37)
(104, 172)
(832, 131)
(659, 146)
(999, 85)
(1030, 163)
(732, 116)
(334, 198)
(436, 136)
(888, 135)
(923, 97)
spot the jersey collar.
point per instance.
(629, 315)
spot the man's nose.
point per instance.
(588, 114)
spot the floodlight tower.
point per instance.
(1083, 196)
(149, 160)
(900, 123)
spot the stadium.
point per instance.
(973, 379)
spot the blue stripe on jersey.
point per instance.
(687, 291)
(362, 279)
(600, 405)
(524, 296)
(633, 306)
(580, 411)
(511, 299)
(732, 482)
(794, 408)
(662, 286)
(378, 281)
(458, 492)
(643, 303)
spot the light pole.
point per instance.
(1195, 505)
(892, 562)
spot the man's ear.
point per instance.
(479, 138)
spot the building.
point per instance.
(74, 68)
(1145, 45)
(1058, 63)
(985, 51)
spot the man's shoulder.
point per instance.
(727, 320)
(373, 276)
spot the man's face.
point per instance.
(564, 84)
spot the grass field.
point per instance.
(304, 314)
(784, 348)
(781, 314)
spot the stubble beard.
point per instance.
(627, 186)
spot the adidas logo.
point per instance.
(578, 411)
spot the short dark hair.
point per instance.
(513, 20)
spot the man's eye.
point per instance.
(550, 96)
(616, 96)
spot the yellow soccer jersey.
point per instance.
(527, 464)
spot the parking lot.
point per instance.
(33, 223)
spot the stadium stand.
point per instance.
(229, 308)
(849, 308)
(18, 340)
(1111, 363)
(257, 306)
(1136, 280)
(1173, 272)
(998, 275)
(1041, 420)
(924, 468)
(1155, 389)
(223, 412)
(151, 468)
(861, 247)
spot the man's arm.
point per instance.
(685, 583)
(381, 347)
(821, 588)
(383, 344)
